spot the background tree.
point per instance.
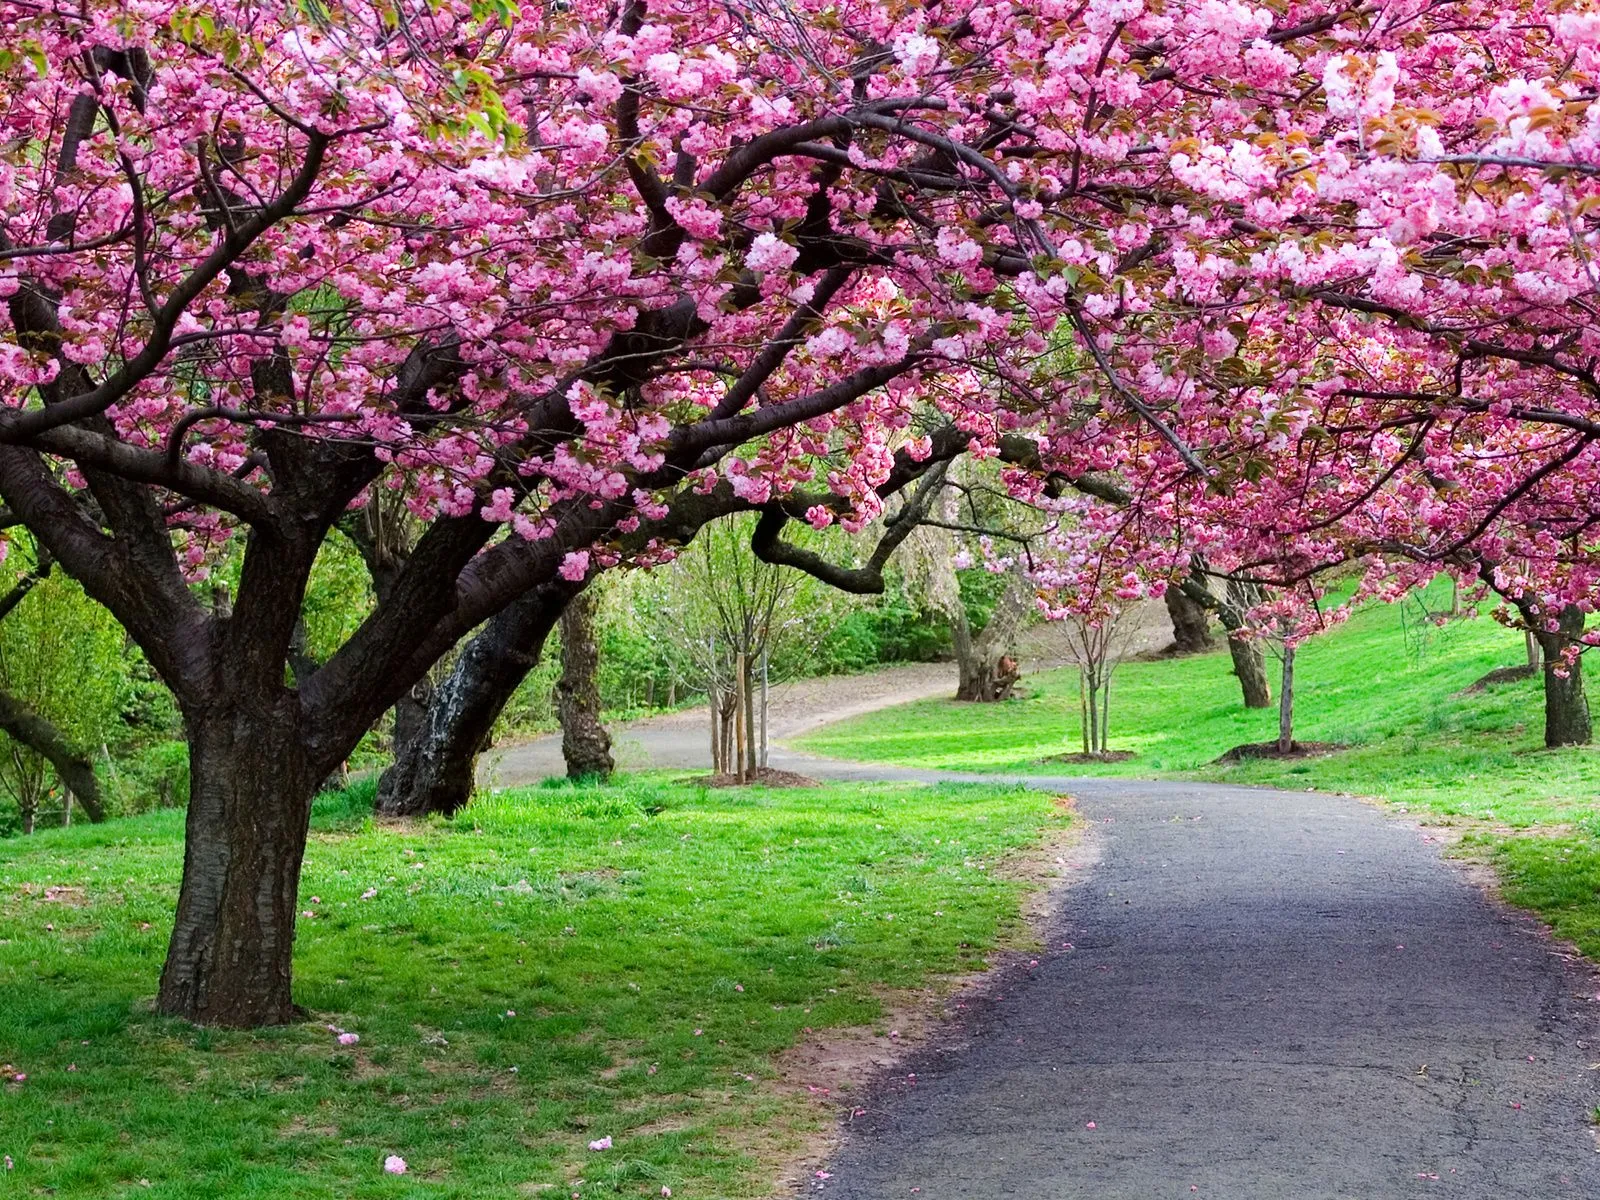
(64, 681)
(1191, 623)
(968, 514)
(1096, 644)
(1236, 598)
(747, 623)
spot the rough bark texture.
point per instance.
(73, 768)
(1249, 663)
(1566, 708)
(229, 961)
(584, 742)
(1191, 624)
(435, 767)
(979, 659)
(411, 720)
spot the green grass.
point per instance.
(659, 945)
(1386, 683)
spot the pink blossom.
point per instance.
(575, 565)
(768, 252)
(394, 1165)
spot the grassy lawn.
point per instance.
(557, 965)
(1387, 683)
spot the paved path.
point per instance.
(1269, 995)
(681, 741)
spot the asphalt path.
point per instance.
(1253, 995)
(1250, 995)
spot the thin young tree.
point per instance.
(738, 613)
(1097, 644)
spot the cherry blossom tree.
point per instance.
(572, 281)
(257, 267)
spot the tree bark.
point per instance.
(1191, 626)
(1250, 665)
(230, 958)
(411, 719)
(584, 742)
(714, 709)
(74, 769)
(1566, 708)
(752, 746)
(1105, 712)
(436, 770)
(765, 700)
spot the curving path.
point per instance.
(1267, 995)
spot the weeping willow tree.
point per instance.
(986, 610)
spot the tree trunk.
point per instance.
(978, 658)
(1286, 704)
(966, 664)
(726, 716)
(584, 742)
(1191, 625)
(411, 719)
(1083, 711)
(1566, 708)
(1094, 713)
(765, 701)
(714, 710)
(73, 769)
(436, 771)
(1105, 712)
(740, 714)
(753, 745)
(230, 958)
(1248, 663)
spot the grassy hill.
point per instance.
(1389, 683)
